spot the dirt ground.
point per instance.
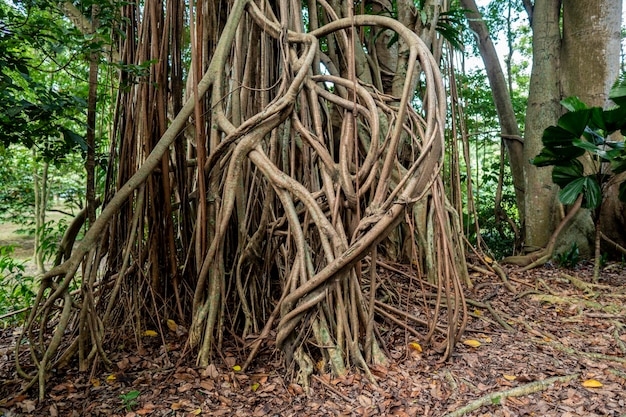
(556, 346)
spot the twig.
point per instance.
(493, 312)
(13, 313)
(514, 392)
(333, 389)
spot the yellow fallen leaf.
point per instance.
(255, 386)
(471, 342)
(415, 346)
(592, 383)
(236, 368)
(487, 339)
(150, 333)
(96, 382)
(111, 378)
(478, 312)
(488, 260)
(171, 324)
(196, 412)
(509, 377)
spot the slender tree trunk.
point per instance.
(502, 99)
(40, 182)
(90, 162)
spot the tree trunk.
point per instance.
(584, 61)
(543, 110)
(510, 133)
(40, 183)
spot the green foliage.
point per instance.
(31, 113)
(17, 196)
(569, 258)
(128, 399)
(16, 288)
(484, 151)
(52, 233)
(586, 131)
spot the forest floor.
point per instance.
(554, 347)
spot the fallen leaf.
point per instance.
(236, 368)
(150, 333)
(592, 383)
(509, 377)
(111, 378)
(415, 346)
(255, 386)
(196, 412)
(471, 342)
(171, 324)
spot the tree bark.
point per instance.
(583, 62)
(543, 110)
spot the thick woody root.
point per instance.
(300, 187)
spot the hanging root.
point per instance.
(302, 178)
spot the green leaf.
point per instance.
(564, 174)
(614, 119)
(573, 103)
(571, 191)
(597, 118)
(588, 186)
(545, 158)
(557, 136)
(130, 395)
(618, 92)
(590, 147)
(618, 164)
(575, 122)
(593, 193)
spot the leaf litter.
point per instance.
(562, 353)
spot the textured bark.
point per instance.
(591, 49)
(583, 62)
(543, 110)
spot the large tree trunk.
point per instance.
(543, 110)
(583, 61)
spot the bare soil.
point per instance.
(562, 353)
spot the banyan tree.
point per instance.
(269, 156)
